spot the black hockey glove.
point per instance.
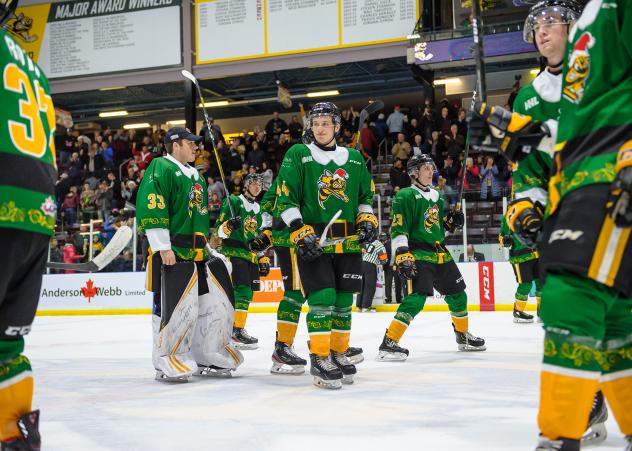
(513, 134)
(454, 220)
(264, 265)
(231, 225)
(505, 240)
(405, 261)
(366, 227)
(306, 241)
(620, 201)
(262, 242)
(525, 219)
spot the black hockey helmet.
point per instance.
(325, 109)
(417, 161)
(7, 10)
(253, 178)
(551, 11)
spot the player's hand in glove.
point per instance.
(525, 219)
(231, 225)
(454, 220)
(306, 241)
(262, 242)
(366, 227)
(620, 201)
(513, 134)
(505, 240)
(264, 265)
(405, 262)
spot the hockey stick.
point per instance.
(324, 242)
(364, 114)
(118, 242)
(192, 78)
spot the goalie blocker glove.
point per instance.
(525, 219)
(514, 134)
(366, 227)
(306, 241)
(405, 261)
(620, 201)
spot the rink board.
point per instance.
(490, 287)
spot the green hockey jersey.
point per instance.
(596, 112)
(315, 184)
(173, 196)
(417, 222)
(236, 244)
(539, 99)
(27, 149)
(280, 232)
(518, 253)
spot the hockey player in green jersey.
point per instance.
(418, 231)
(318, 180)
(524, 261)
(27, 220)
(247, 266)
(585, 248)
(190, 296)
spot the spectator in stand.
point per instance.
(461, 122)
(69, 206)
(257, 156)
(381, 129)
(56, 254)
(121, 147)
(215, 187)
(146, 155)
(214, 205)
(491, 187)
(87, 202)
(401, 149)
(449, 194)
(217, 135)
(275, 127)
(93, 163)
(347, 138)
(235, 160)
(369, 142)
(62, 187)
(237, 186)
(449, 171)
(437, 149)
(395, 123)
(105, 150)
(68, 142)
(75, 169)
(472, 255)
(348, 121)
(428, 123)
(413, 128)
(70, 256)
(129, 192)
(398, 176)
(418, 145)
(455, 143)
(114, 184)
(472, 174)
(296, 130)
(104, 200)
(444, 122)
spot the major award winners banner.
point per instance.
(230, 30)
(78, 38)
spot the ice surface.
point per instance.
(95, 387)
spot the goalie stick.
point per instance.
(118, 242)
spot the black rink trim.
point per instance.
(27, 173)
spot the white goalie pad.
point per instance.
(212, 337)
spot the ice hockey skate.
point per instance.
(242, 340)
(468, 342)
(355, 355)
(326, 374)
(596, 432)
(390, 351)
(522, 317)
(563, 444)
(286, 361)
(348, 369)
(628, 443)
(213, 371)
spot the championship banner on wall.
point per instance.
(77, 38)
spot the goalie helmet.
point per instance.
(550, 12)
(418, 161)
(7, 10)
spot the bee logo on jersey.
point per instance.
(195, 199)
(332, 185)
(431, 217)
(250, 225)
(579, 68)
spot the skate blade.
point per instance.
(522, 321)
(596, 434)
(213, 372)
(470, 348)
(347, 380)
(356, 359)
(384, 356)
(245, 346)
(335, 384)
(285, 369)
(162, 377)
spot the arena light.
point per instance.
(447, 81)
(113, 88)
(113, 113)
(177, 122)
(140, 125)
(214, 104)
(333, 92)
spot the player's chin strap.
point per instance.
(326, 148)
(424, 188)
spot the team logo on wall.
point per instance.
(332, 185)
(250, 225)
(431, 217)
(195, 199)
(20, 27)
(579, 68)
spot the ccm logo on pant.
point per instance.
(16, 331)
(352, 276)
